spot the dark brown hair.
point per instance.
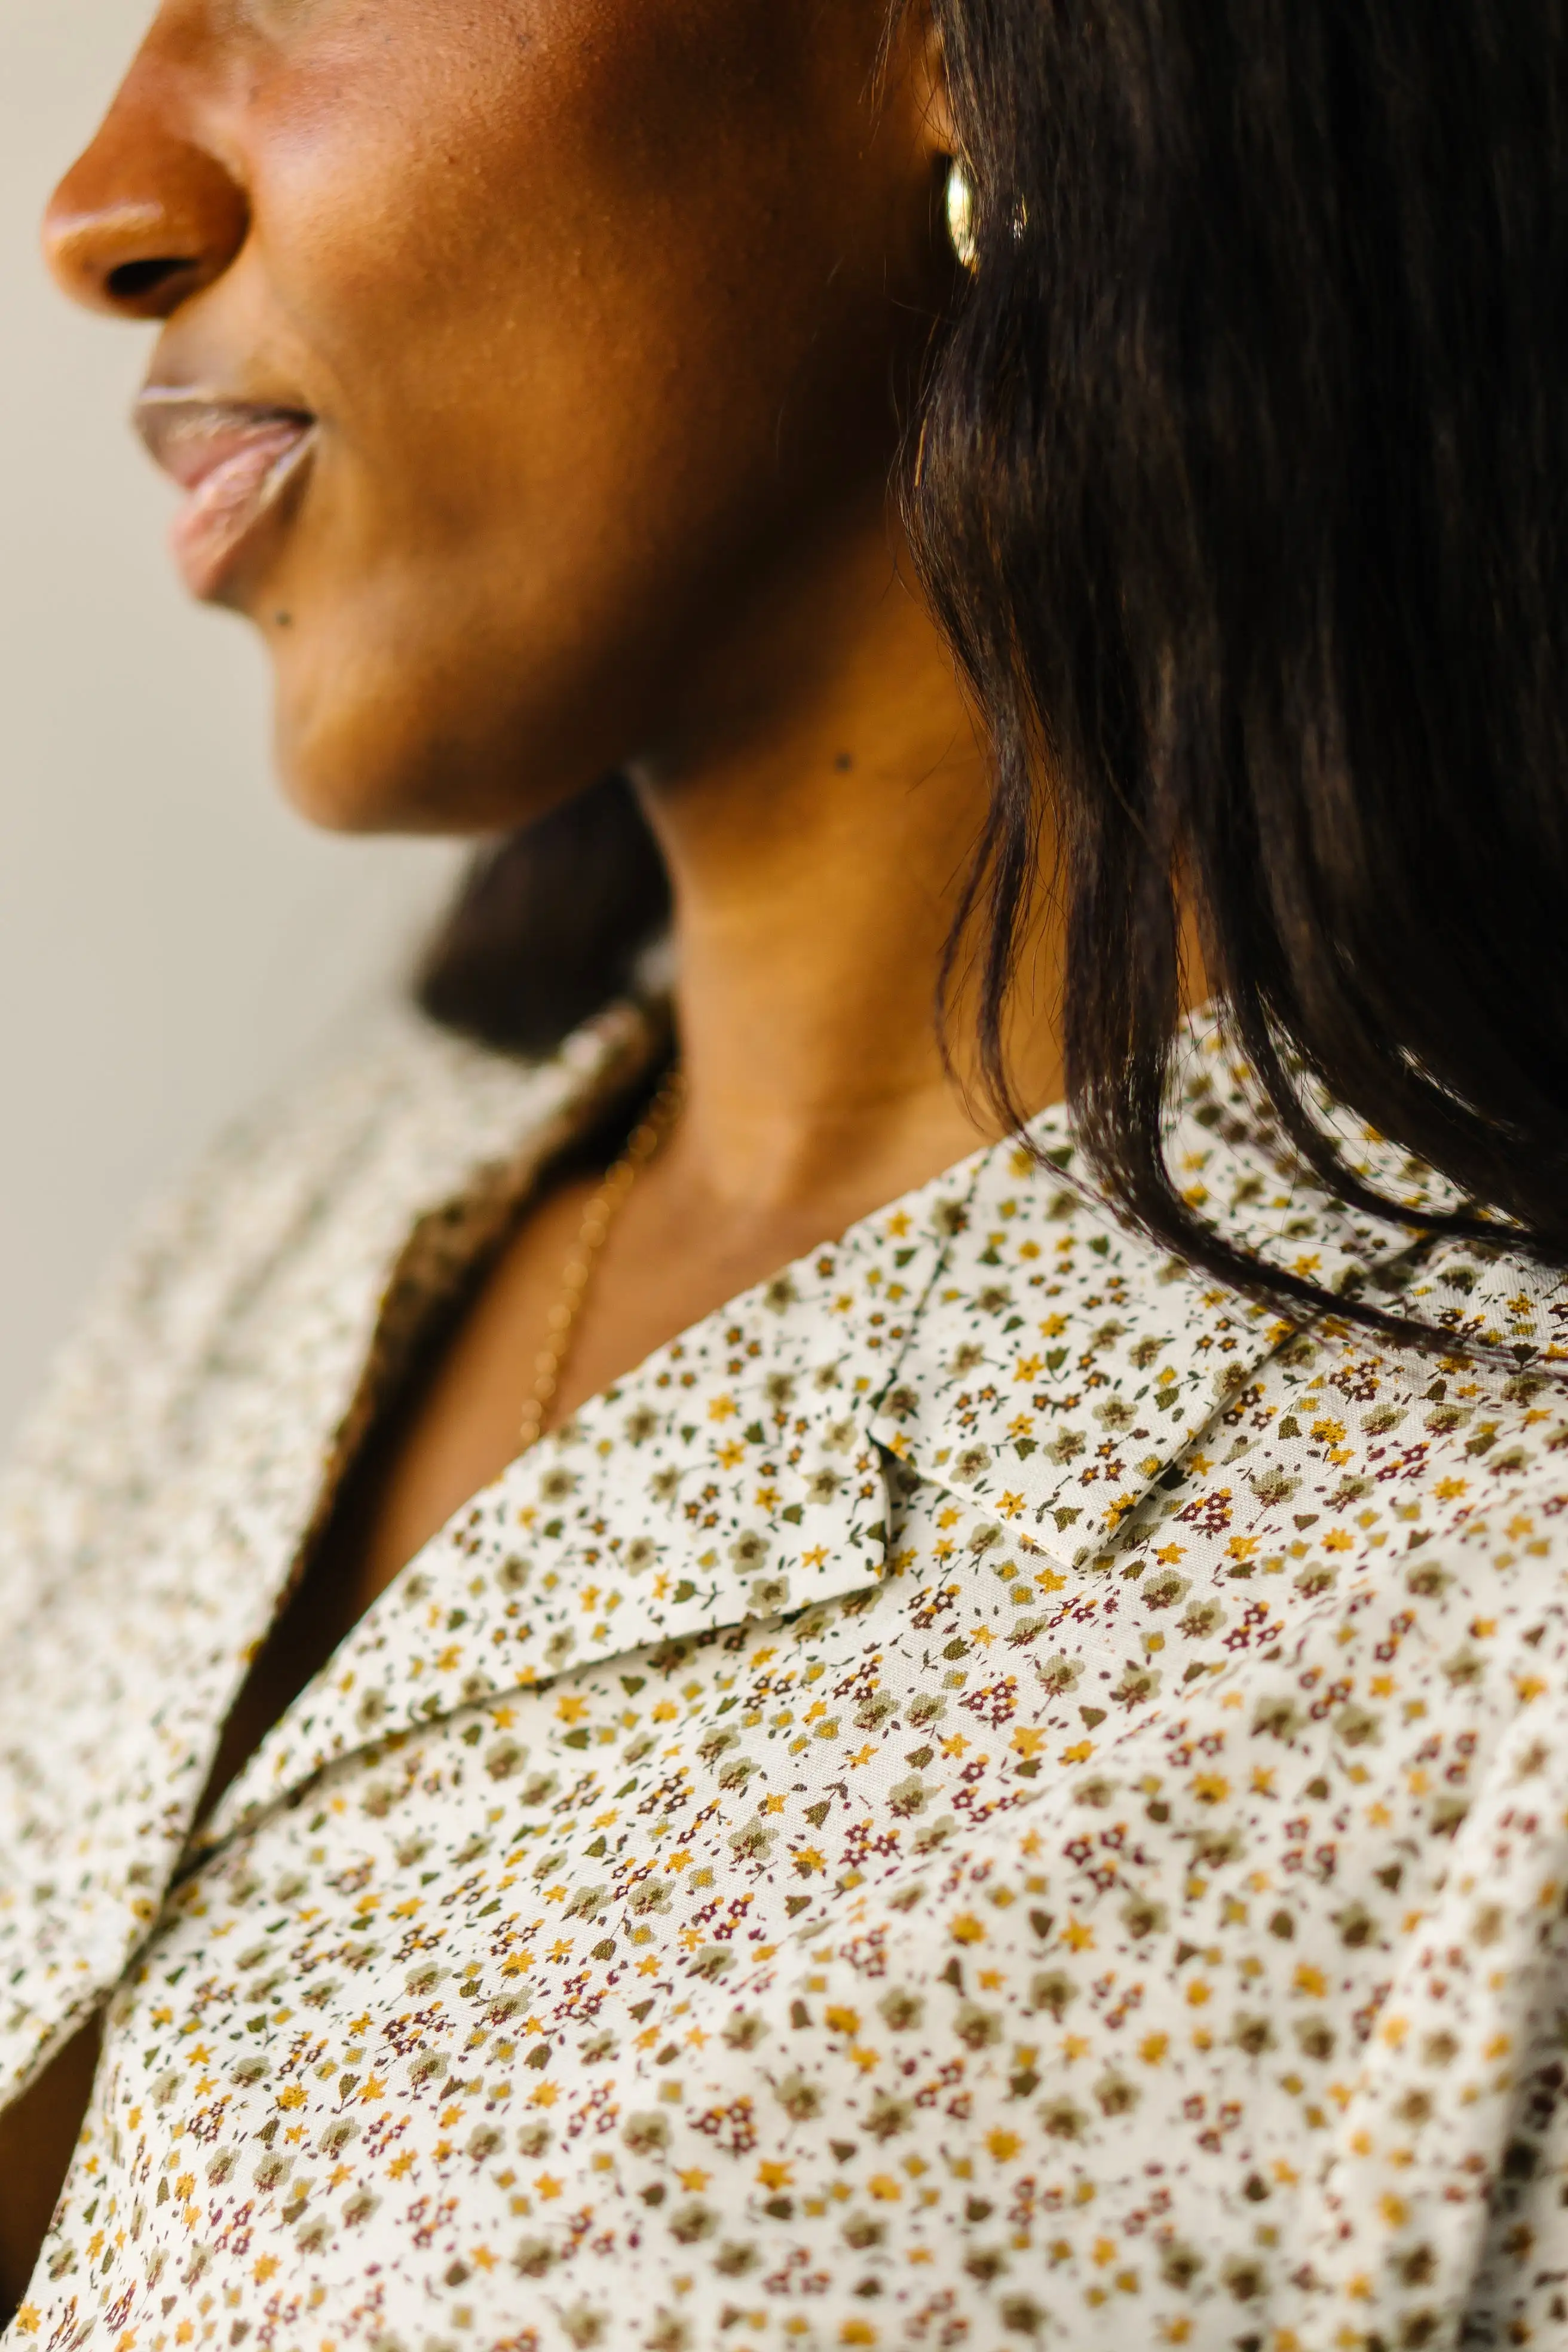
(1239, 492)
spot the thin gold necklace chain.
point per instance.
(646, 1141)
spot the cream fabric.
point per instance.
(989, 1793)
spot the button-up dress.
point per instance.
(991, 1793)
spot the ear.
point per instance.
(914, 55)
(942, 130)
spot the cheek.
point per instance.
(544, 231)
(562, 281)
(455, 197)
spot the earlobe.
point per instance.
(912, 57)
(941, 131)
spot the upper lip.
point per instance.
(190, 431)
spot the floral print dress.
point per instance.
(992, 1793)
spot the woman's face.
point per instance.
(528, 363)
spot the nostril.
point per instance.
(144, 222)
(134, 281)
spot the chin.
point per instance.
(348, 754)
(365, 745)
(337, 768)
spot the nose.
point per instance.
(149, 215)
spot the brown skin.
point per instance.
(603, 305)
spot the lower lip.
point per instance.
(239, 505)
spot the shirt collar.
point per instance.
(1063, 1361)
(733, 1475)
(999, 1331)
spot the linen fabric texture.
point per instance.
(993, 1792)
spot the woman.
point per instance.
(561, 1784)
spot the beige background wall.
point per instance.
(170, 941)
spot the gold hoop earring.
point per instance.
(960, 215)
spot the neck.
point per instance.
(818, 844)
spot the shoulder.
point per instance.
(1070, 1374)
(292, 1218)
